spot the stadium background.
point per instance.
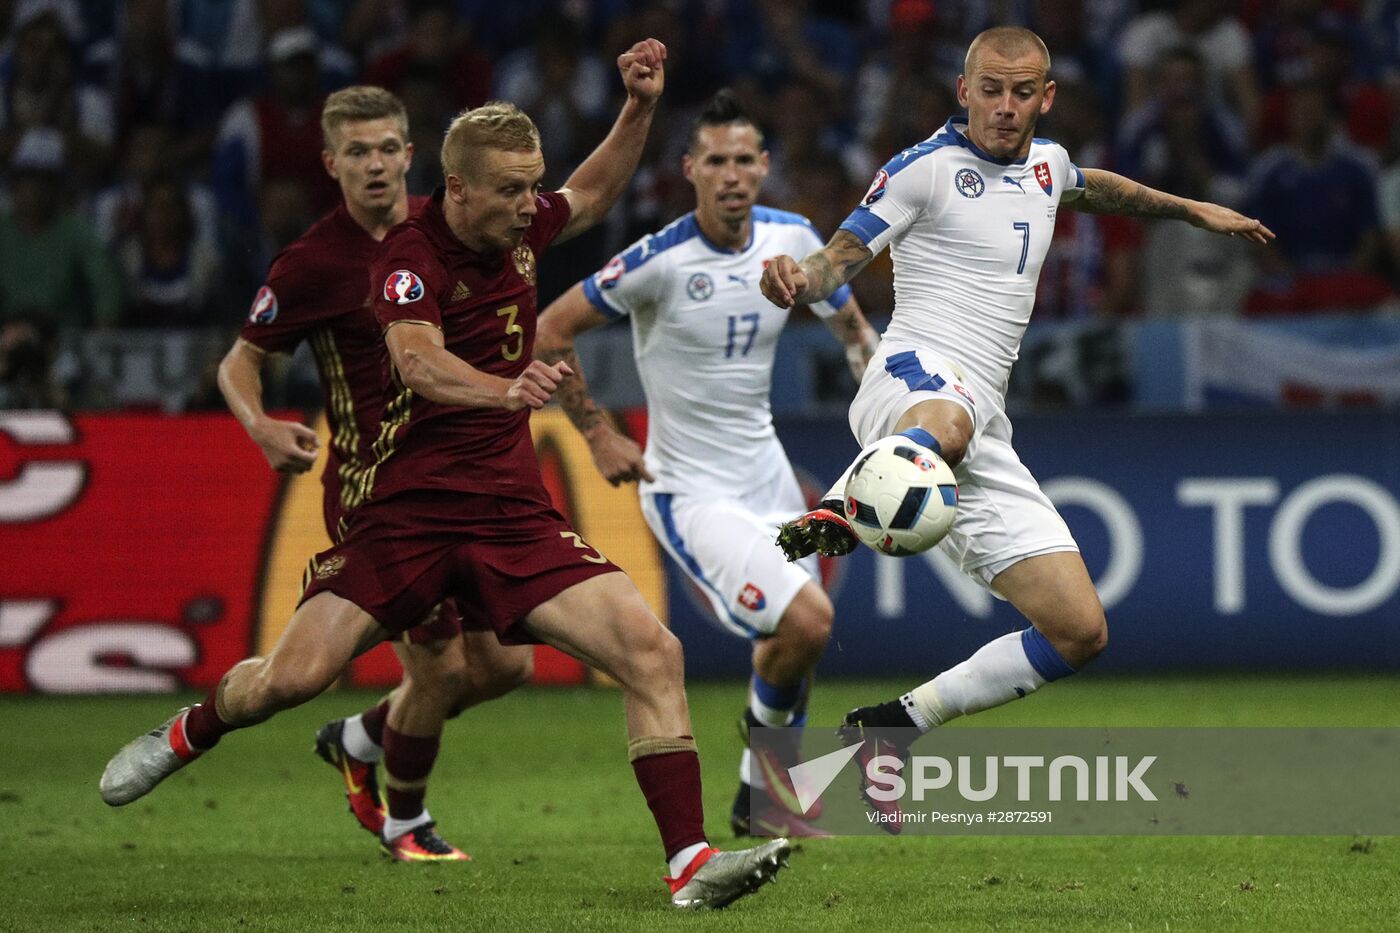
(1217, 423)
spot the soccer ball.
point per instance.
(901, 497)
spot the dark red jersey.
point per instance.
(485, 307)
(317, 290)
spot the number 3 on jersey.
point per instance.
(512, 330)
(594, 558)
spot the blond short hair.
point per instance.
(494, 125)
(1009, 42)
(359, 103)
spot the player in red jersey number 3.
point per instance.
(455, 505)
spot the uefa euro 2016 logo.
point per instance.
(403, 287)
(264, 310)
(969, 183)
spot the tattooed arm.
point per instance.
(787, 282)
(1107, 193)
(615, 455)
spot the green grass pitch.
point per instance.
(538, 789)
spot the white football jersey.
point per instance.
(705, 339)
(967, 233)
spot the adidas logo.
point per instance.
(461, 292)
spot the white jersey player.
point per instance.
(968, 216)
(715, 483)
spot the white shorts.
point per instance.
(1003, 517)
(726, 546)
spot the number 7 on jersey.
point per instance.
(1024, 226)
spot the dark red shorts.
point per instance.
(403, 556)
(444, 621)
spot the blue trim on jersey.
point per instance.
(596, 299)
(914, 153)
(1043, 656)
(764, 214)
(681, 230)
(662, 500)
(983, 154)
(1079, 176)
(714, 247)
(839, 297)
(905, 365)
(864, 224)
(758, 214)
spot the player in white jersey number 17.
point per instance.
(715, 482)
(967, 248)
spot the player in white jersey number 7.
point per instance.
(968, 215)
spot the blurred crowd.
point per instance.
(157, 153)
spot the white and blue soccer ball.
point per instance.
(901, 497)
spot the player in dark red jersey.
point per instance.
(317, 290)
(454, 502)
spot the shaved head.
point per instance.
(1010, 42)
(1005, 89)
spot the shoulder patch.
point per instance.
(403, 287)
(611, 274)
(264, 309)
(877, 188)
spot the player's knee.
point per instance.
(655, 655)
(519, 669)
(448, 677)
(1089, 638)
(1097, 639)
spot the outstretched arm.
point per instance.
(596, 185)
(787, 282)
(1107, 193)
(617, 457)
(852, 329)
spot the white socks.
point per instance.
(357, 741)
(393, 828)
(684, 857)
(1000, 671)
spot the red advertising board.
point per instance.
(133, 548)
(147, 552)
